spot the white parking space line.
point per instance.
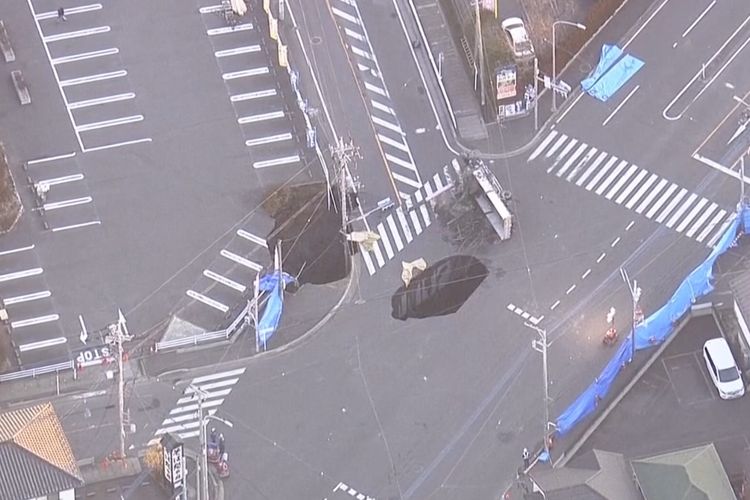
(67, 203)
(224, 280)
(286, 160)
(664, 197)
(109, 123)
(374, 88)
(76, 34)
(253, 95)
(17, 250)
(206, 300)
(241, 260)
(35, 321)
(21, 274)
(118, 144)
(215, 376)
(543, 145)
(8, 301)
(261, 117)
(268, 140)
(245, 73)
(50, 158)
(52, 14)
(93, 78)
(101, 100)
(248, 49)
(42, 344)
(85, 55)
(251, 237)
(711, 225)
(61, 180)
(76, 226)
(229, 29)
(387, 124)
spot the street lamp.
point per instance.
(554, 57)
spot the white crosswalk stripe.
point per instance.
(631, 186)
(401, 226)
(183, 418)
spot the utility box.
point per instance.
(492, 200)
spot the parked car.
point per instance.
(519, 39)
(723, 369)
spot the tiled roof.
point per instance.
(35, 456)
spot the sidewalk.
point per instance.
(511, 138)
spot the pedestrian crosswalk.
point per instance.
(404, 223)
(183, 419)
(388, 131)
(632, 187)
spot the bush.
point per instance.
(10, 205)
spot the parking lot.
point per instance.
(675, 406)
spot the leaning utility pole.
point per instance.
(344, 153)
(479, 48)
(116, 336)
(200, 394)
(540, 345)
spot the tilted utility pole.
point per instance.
(118, 334)
(479, 48)
(540, 345)
(200, 394)
(344, 153)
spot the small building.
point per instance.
(36, 460)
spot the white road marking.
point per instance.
(651, 195)
(109, 123)
(229, 29)
(415, 222)
(269, 139)
(17, 250)
(642, 26)
(286, 160)
(52, 14)
(554, 306)
(386, 241)
(214, 385)
(701, 220)
(206, 300)
(570, 290)
(615, 242)
(67, 203)
(344, 15)
(586, 274)
(599, 175)
(85, 55)
(630, 224)
(664, 197)
(698, 19)
(251, 237)
(398, 161)
(241, 260)
(224, 280)
(76, 226)
(211, 394)
(398, 145)
(374, 88)
(376, 252)
(715, 238)
(354, 34)
(556, 145)
(368, 260)
(691, 215)
(101, 100)
(630, 187)
(382, 107)
(216, 376)
(93, 78)
(395, 233)
(589, 154)
(253, 95)
(569, 162)
(76, 34)
(35, 321)
(406, 180)
(645, 187)
(591, 168)
(387, 124)
(8, 301)
(606, 121)
(601, 257)
(539, 149)
(404, 225)
(563, 154)
(671, 205)
(248, 49)
(361, 53)
(615, 173)
(245, 73)
(711, 225)
(117, 145)
(621, 182)
(21, 274)
(42, 344)
(261, 117)
(422, 207)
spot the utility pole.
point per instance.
(203, 489)
(116, 336)
(344, 153)
(635, 295)
(479, 47)
(540, 345)
(536, 94)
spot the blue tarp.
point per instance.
(609, 76)
(655, 329)
(269, 322)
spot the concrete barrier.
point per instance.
(5, 45)
(21, 88)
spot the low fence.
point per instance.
(34, 372)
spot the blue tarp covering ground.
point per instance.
(612, 72)
(655, 329)
(272, 284)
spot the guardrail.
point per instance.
(33, 372)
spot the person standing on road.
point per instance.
(61, 14)
(526, 458)
(221, 445)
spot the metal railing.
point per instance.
(34, 372)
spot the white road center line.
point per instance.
(620, 105)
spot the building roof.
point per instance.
(691, 474)
(35, 456)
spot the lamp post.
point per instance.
(554, 57)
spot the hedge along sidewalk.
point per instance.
(10, 203)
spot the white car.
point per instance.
(520, 42)
(723, 369)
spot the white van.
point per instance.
(723, 369)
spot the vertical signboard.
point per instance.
(505, 82)
(174, 463)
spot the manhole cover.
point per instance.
(316, 40)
